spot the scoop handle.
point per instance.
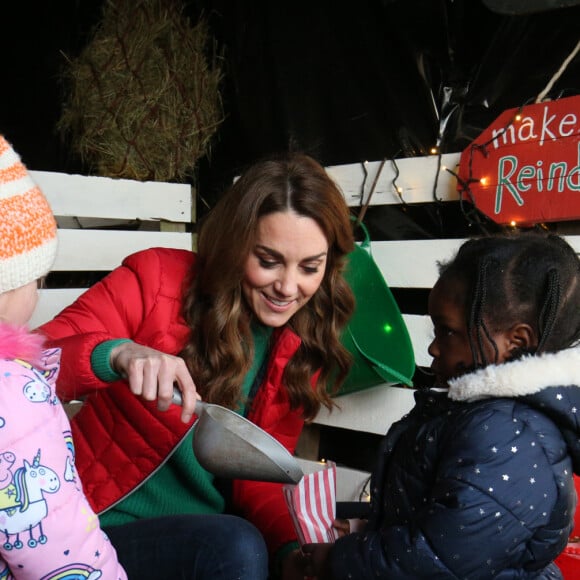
(177, 400)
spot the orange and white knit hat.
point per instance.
(28, 237)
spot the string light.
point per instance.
(364, 181)
(366, 204)
(437, 171)
(465, 192)
(434, 150)
(471, 214)
(365, 494)
(397, 188)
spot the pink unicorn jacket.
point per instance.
(47, 528)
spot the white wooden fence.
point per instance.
(102, 220)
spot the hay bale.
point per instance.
(144, 100)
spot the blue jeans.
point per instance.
(191, 547)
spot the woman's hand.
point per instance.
(151, 374)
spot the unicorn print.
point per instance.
(74, 572)
(7, 460)
(69, 470)
(5, 573)
(30, 481)
(38, 389)
(36, 392)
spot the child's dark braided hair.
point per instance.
(528, 277)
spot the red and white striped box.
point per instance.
(312, 505)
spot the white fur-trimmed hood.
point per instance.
(522, 377)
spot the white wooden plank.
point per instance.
(104, 197)
(352, 484)
(421, 332)
(574, 241)
(372, 410)
(412, 263)
(90, 223)
(416, 179)
(98, 250)
(51, 302)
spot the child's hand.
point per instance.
(316, 561)
(344, 527)
(341, 526)
(293, 566)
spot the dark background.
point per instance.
(345, 81)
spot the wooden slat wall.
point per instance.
(103, 197)
(416, 178)
(102, 250)
(102, 220)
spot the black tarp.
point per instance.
(345, 81)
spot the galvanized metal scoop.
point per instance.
(228, 445)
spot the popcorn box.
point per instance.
(312, 505)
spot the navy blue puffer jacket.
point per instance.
(476, 482)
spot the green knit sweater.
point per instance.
(180, 485)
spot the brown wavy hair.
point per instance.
(220, 348)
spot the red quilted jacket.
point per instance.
(120, 439)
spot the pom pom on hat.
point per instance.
(28, 238)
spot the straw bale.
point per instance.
(144, 95)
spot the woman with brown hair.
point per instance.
(251, 322)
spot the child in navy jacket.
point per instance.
(477, 480)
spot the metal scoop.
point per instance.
(228, 445)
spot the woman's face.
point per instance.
(285, 267)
